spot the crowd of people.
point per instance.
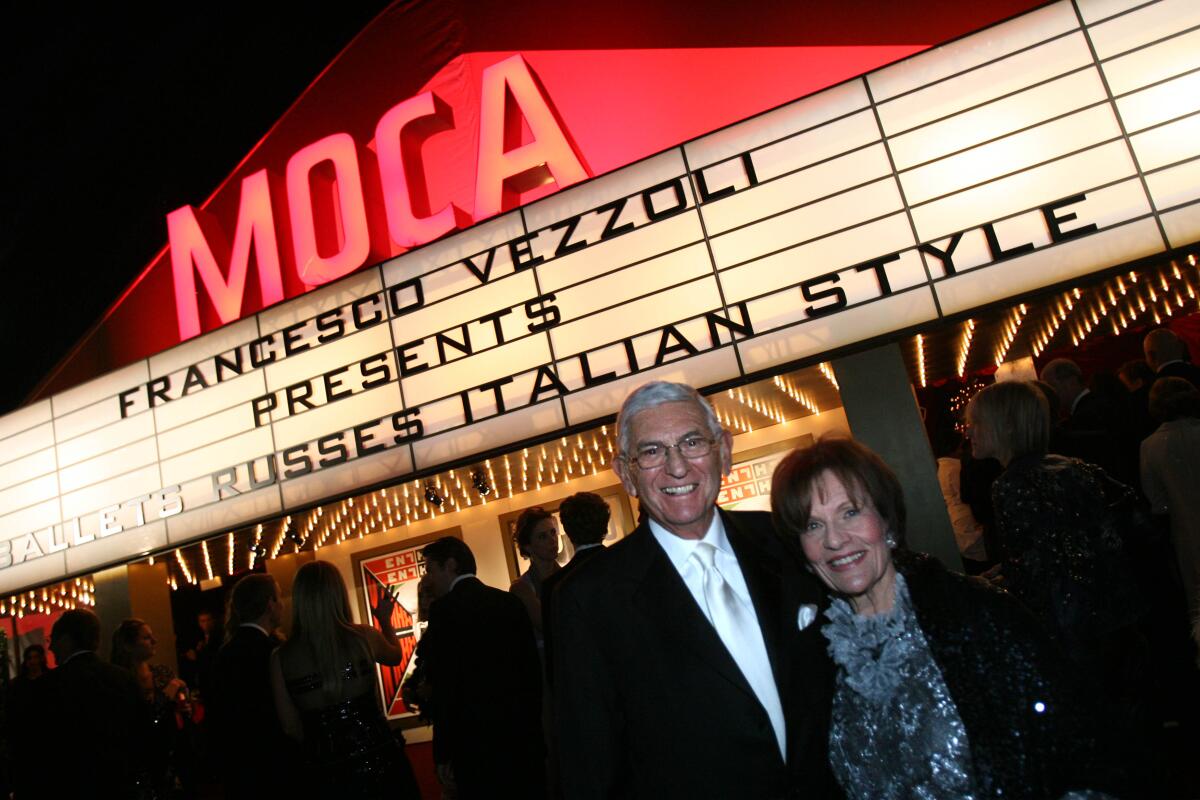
(806, 652)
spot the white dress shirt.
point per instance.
(752, 660)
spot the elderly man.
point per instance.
(686, 661)
(1166, 354)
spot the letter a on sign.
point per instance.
(548, 157)
(255, 224)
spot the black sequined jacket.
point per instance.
(1030, 735)
(1063, 551)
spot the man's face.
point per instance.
(206, 622)
(680, 494)
(275, 610)
(441, 574)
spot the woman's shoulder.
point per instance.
(951, 597)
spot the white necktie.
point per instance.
(738, 628)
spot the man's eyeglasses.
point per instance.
(653, 455)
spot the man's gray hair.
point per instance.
(657, 393)
(1061, 369)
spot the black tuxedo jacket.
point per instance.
(242, 714)
(101, 705)
(549, 587)
(482, 663)
(650, 704)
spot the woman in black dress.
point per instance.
(324, 683)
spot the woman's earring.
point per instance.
(891, 540)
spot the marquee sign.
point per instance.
(1054, 145)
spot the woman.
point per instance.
(166, 698)
(323, 680)
(537, 540)
(945, 687)
(1062, 550)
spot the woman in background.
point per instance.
(323, 679)
(166, 698)
(946, 687)
(537, 540)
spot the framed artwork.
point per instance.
(747, 487)
(395, 569)
(620, 522)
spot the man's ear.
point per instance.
(726, 444)
(621, 467)
(451, 564)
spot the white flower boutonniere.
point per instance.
(808, 613)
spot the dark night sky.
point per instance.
(115, 115)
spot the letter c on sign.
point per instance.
(332, 164)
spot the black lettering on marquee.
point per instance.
(998, 252)
(945, 256)
(443, 341)
(716, 322)
(271, 478)
(363, 440)
(125, 400)
(333, 386)
(375, 371)
(395, 292)
(541, 308)
(406, 359)
(223, 481)
(293, 339)
(225, 365)
(486, 272)
(880, 269)
(194, 379)
(565, 245)
(261, 406)
(494, 318)
(680, 203)
(257, 357)
(356, 312)
(298, 394)
(332, 447)
(407, 430)
(522, 252)
(297, 460)
(1054, 222)
(673, 341)
(707, 195)
(330, 326)
(808, 287)
(594, 380)
(611, 228)
(546, 381)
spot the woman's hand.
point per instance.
(174, 688)
(383, 610)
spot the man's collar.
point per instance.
(458, 580)
(1078, 397)
(257, 627)
(76, 653)
(679, 549)
(1166, 364)
(580, 548)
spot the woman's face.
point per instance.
(846, 546)
(979, 434)
(543, 542)
(145, 643)
(35, 661)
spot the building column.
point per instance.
(882, 410)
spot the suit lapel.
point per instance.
(666, 602)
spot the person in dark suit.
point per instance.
(245, 727)
(483, 668)
(687, 664)
(101, 705)
(584, 517)
(1167, 356)
(1097, 427)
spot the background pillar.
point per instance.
(882, 410)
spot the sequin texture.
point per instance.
(895, 731)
